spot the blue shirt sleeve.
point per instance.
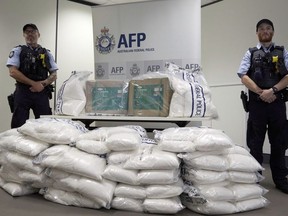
(285, 54)
(14, 59)
(245, 64)
(53, 64)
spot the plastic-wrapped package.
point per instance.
(150, 157)
(123, 139)
(165, 191)
(208, 162)
(92, 146)
(98, 191)
(193, 93)
(15, 189)
(247, 191)
(53, 130)
(72, 160)
(252, 204)
(198, 176)
(68, 198)
(243, 163)
(163, 206)
(177, 146)
(23, 144)
(127, 204)
(107, 97)
(23, 162)
(71, 97)
(244, 177)
(211, 207)
(149, 97)
(119, 174)
(130, 191)
(161, 177)
(119, 157)
(203, 138)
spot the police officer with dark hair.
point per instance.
(34, 69)
(263, 70)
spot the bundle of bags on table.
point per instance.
(187, 95)
(121, 168)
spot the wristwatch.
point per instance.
(275, 90)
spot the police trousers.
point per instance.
(269, 117)
(24, 100)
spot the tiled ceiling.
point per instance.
(111, 2)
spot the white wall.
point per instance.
(228, 30)
(75, 39)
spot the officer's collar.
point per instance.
(33, 48)
(270, 48)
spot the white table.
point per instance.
(89, 119)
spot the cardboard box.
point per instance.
(149, 97)
(107, 97)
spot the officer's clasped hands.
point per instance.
(37, 87)
(267, 96)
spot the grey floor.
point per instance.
(36, 205)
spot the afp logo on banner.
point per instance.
(132, 42)
(105, 42)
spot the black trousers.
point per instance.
(24, 100)
(271, 117)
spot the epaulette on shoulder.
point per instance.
(279, 48)
(253, 49)
(19, 46)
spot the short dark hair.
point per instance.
(266, 21)
(31, 25)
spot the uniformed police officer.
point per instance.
(34, 69)
(263, 70)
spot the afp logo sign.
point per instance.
(105, 42)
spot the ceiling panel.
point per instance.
(111, 2)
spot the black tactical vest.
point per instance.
(263, 70)
(34, 63)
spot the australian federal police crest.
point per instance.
(105, 42)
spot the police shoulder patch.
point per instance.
(11, 54)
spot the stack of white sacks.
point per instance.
(121, 168)
(66, 175)
(17, 172)
(148, 178)
(68, 165)
(219, 177)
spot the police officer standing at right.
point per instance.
(263, 70)
(34, 69)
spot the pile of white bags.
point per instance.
(219, 177)
(121, 168)
(18, 172)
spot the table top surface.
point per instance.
(127, 118)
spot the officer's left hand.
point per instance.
(37, 87)
(268, 96)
